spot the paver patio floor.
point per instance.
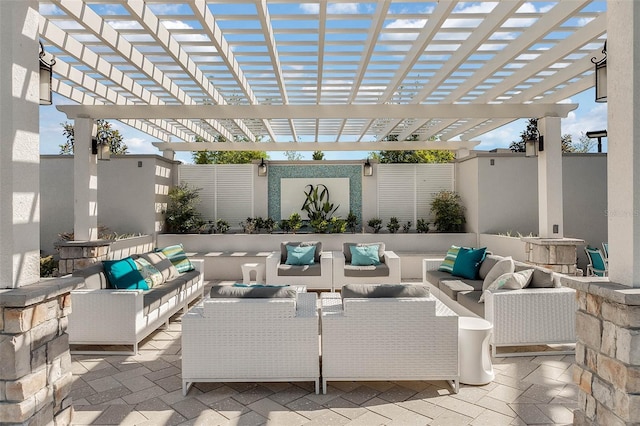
(145, 389)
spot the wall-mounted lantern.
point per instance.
(262, 168)
(601, 75)
(45, 77)
(367, 169)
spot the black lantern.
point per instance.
(534, 145)
(262, 168)
(101, 149)
(367, 169)
(601, 75)
(45, 77)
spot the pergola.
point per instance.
(320, 75)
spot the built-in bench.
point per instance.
(226, 265)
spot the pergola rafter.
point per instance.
(333, 56)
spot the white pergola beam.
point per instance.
(315, 146)
(454, 111)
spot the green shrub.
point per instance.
(375, 224)
(422, 226)
(393, 225)
(181, 216)
(352, 222)
(48, 266)
(406, 227)
(448, 212)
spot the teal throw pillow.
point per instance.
(178, 258)
(449, 259)
(364, 255)
(123, 274)
(300, 255)
(468, 262)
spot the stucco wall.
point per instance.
(132, 193)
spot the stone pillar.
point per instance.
(607, 368)
(85, 168)
(550, 215)
(623, 172)
(557, 254)
(35, 371)
(19, 144)
(76, 255)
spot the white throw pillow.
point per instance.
(510, 281)
(503, 266)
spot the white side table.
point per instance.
(258, 268)
(474, 352)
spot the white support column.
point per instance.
(623, 102)
(550, 213)
(19, 144)
(85, 167)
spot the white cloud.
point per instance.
(140, 146)
(342, 8)
(311, 8)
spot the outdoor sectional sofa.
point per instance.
(542, 313)
(103, 315)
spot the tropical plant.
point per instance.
(48, 266)
(221, 227)
(406, 227)
(338, 226)
(393, 225)
(320, 226)
(317, 155)
(448, 212)
(106, 135)
(352, 222)
(181, 216)
(295, 222)
(375, 224)
(422, 226)
(317, 204)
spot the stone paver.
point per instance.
(145, 389)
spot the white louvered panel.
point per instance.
(234, 192)
(431, 179)
(201, 176)
(396, 193)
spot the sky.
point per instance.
(589, 116)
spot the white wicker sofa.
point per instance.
(392, 337)
(542, 313)
(106, 316)
(236, 336)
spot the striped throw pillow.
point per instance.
(178, 258)
(449, 259)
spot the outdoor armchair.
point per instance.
(286, 267)
(383, 269)
(597, 266)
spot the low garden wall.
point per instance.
(224, 253)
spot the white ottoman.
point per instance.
(247, 268)
(474, 353)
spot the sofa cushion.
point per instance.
(162, 294)
(346, 249)
(384, 290)
(300, 255)
(487, 264)
(449, 259)
(299, 270)
(253, 292)
(364, 255)
(380, 270)
(94, 277)
(123, 274)
(468, 262)
(502, 266)
(283, 249)
(162, 264)
(469, 300)
(542, 278)
(452, 287)
(177, 257)
(510, 281)
(436, 277)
